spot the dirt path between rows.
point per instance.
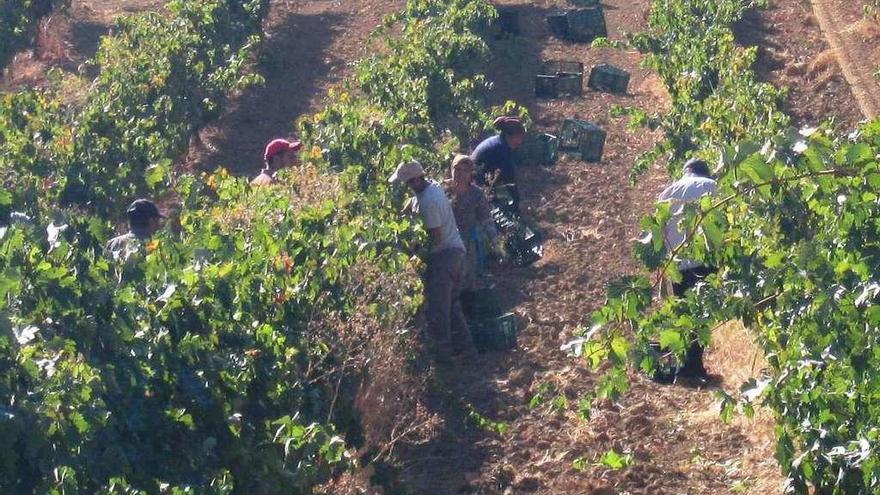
(589, 213)
(855, 64)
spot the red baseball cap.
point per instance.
(279, 145)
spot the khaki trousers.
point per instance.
(447, 327)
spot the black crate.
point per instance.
(569, 84)
(558, 24)
(495, 334)
(508, 21)
(583, 137)
(585, 25)
(605, 77)
(538, 149)
(546, 86)
(584, 3)
(560, 78)
(480, 304)
(524, 243)
(562, 67)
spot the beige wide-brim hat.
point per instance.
(407, 171)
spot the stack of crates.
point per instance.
(559, 78)
(538, 149)
(605, 77)
(491, 330)
(582, 137)
(580, 25)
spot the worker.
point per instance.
(279, 153)
(447, 329)
(472, 214)
(694, 184)
(494, 156)
(144, 219)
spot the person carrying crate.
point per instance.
(447, 328)
(494, 156)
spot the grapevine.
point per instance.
(793, 233)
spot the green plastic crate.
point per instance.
(495, 334)
(585, 25)
(538, 149)
(582, 137)
(480, 304)
(605, 77)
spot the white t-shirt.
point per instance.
(434, 208)
(685, 190)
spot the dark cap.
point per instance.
(142, 210)
(698, 166)
(509, 125)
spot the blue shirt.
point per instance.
(494, 154)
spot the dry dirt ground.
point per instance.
(589, 213)
(795, 53)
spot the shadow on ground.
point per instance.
(294, 62)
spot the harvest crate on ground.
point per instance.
(494, 334)
(559, 78)
(581, 136)
(538, 149)
(579, 25)
(606, 77)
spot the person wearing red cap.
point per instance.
(494, 156)
(279, 153)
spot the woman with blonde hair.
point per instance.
(472, 213)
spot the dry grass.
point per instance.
(824, 62)
(737, 357)
(52, 44)
(867, 29)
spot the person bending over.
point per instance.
(693, 185)
(447, 328)
(494, 156)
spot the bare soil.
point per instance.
(68, 38)
(794, 53)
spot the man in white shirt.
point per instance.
(695, 184)
(447, 326)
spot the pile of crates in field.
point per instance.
(565, 78)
